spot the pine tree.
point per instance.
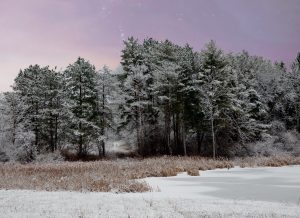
(29, 88)
(217, 90)
(105, 90)
(12, 109)
(251, 109)
(295, 80)
(81, 103)
(51, 110)
(139, 110)
(166, 90)
(38, 88)
(187, 92)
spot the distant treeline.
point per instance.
(166, 99)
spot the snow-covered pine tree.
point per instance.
(250, 108)
(217, 91)
(81, 104)
(166, 90)
(29, 88)
(12, 110)
(295, 80)
(6, 133)
(131, 84)
(138, 111)
(6, 137)
(152, 126)
(19, 138)
(187, 92)
(105, 83)
(51, 109)
(39, 90)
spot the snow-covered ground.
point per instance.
(259, 192)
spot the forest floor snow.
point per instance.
(237, 192)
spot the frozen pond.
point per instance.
(257, 184)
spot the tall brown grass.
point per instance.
(272, 161)
(116, 175)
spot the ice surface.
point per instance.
(262, 184)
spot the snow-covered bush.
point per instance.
(25, 150)
(265, 147)
(277, 127)
(285, 142)
(3, 157)
(277, 143)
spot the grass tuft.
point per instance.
(193, 172)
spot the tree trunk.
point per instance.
(14, 126)
(51, 134)
(102, 143)
(183, 140)
(167, 133)
(80, 142)
(80, 116)
(200, 137)
(103, 148)
(56, 133)
(168, 129)
(178, 138)
(298, 116)
(103, 120)
(213, 137)
(140, 125)
(138, 138)
(174, 133)
(36, 130)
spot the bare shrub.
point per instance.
(193, 172)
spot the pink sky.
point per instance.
(56, 32)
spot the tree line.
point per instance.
(167, 99)
(47, 109)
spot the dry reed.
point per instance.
(117, 175)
